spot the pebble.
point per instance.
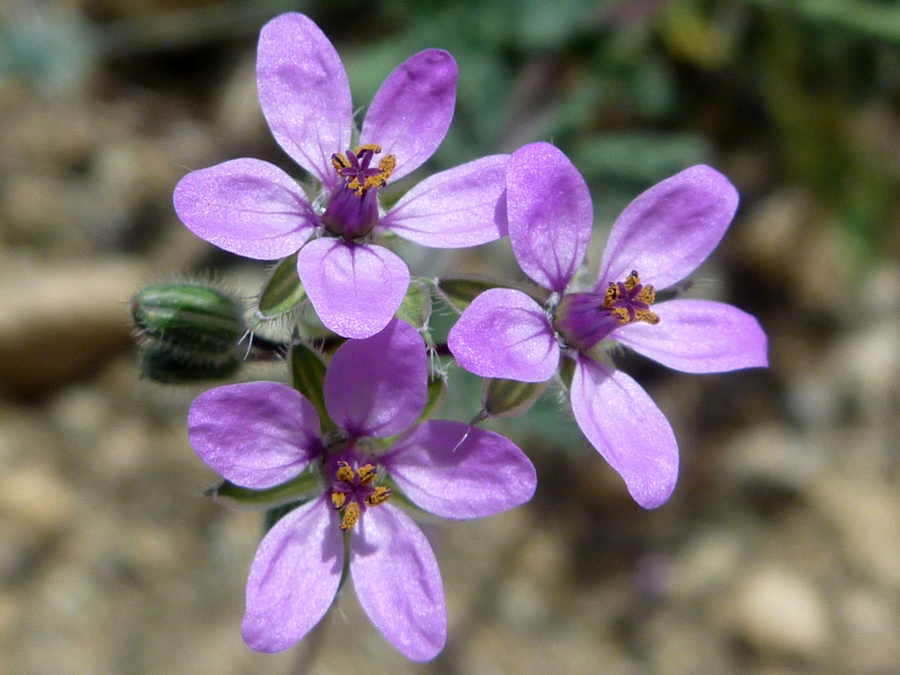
(772, 455)
(778, 610)
(867, 518)
(870, 626)
(56, 322)
(37, 499)
(708, 562)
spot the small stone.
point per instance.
(57, 322)
(773, 456)
(778, 610)
(870, 625)
(867, 517)
(709, 562)
(35, 498)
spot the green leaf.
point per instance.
(245, 499)
(416, 306)
(283, 292)
(308, 377)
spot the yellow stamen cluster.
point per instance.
(647, 295)
(367, 475)
(386, 165)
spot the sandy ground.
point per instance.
(779, 553)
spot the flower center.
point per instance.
(630, 300)
(584, 319)
(352, 210)
(352, 490)
(356, 168)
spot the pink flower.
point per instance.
(660, 238)
(254, 209)
(261, 434)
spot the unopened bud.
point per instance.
(189, 319)
(169, 366)
(509, 398)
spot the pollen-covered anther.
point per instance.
(647, 316)
(345, 473)
(338, 499)
(382, 494)
(612, 294)
(622, 315)
(374, 148)
(632, 280)
(367, 474)
(339, 162)
(350, 517)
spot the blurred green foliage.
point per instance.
(632, 90)
(635, 91)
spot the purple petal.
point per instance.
(670, 229)
(246, 206)
(504, 333)
(354, 288)
(255, 434)
(294, 577)
(412, 110)
(623, 423)
(456, 470)
(464, 206)
(550, 214)
(398, 582)
(378, 386)
(699, 336)
(304, 93)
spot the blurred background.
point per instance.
(778, 554)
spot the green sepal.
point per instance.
(416, 306)
(437, 395)
(509, 398)
(283, 292)
(308, 377)
(175, 366)
(246, 499)
(189, 317)
(459, 293)
(567, 371)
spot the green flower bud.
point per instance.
(190, 320)
(170, 366)
(509, 398)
